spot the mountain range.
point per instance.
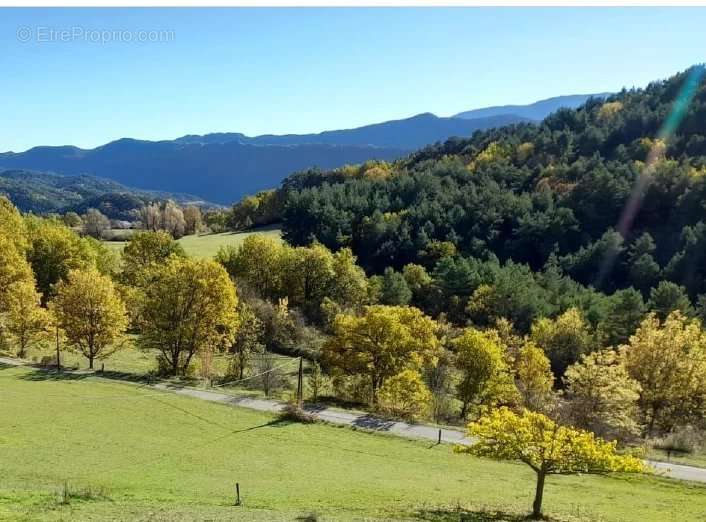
(223, 167)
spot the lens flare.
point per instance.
(669, 127)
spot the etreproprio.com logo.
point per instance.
(42, 34)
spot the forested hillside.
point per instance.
(223, 167)
(44, 192)
(528, 208)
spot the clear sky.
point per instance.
(306, 70)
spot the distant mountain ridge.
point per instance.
(408, 133)
(536, 111)
(223, 167)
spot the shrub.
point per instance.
(293, 413)
(405, 395)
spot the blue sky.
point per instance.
(306, 70)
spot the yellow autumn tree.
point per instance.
(405, 395)
(87, 307)
(534, 376)
(486, 379)
(382, 342)
(602, 396)
(27, 322)
(546, 447)
(668, 360)
(188, 307)
(564, 339)
(258, 262)
(14, 269)
(12, 225)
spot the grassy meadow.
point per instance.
(133, 364)
(206, 245)
(85, 448)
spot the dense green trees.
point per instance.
(312, 278)
(547, 195)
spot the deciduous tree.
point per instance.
(27, 321)
(248, 340)
(534, 376)
(382, 342)
(405, 395)
(545, 447)
(54, 251)
(563, 339)
(189, 305)
(95, 223)
(485, 376)
(145, 251)
(602, 395)
(193, 220)
(91, 314)
(668, 360)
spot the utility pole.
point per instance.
(58, 356)
(300, 383)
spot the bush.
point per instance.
(293, 413)
(353, 388)
(49, 361)
(405, 395)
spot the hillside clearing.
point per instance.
(132, 453)
(207, 245)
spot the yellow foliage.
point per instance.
(492, 153)
(382, 342)
(609, 109)
(89, 310)
(485, 376)
(668, 360)
(545, 446)
(534, 376)
(405, 395)
(603, 395)
(189, 306)
(14, 269)
(525, 151)
(27, 321)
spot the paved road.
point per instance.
(334, 416)
(373, 423)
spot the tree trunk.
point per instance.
(539, 492)
(464, 409)
(90, 362)
(175, 366)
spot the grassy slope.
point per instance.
(157, 456)
(207, 245)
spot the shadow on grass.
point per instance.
(463, 515)
(41, 374)
(5, 366)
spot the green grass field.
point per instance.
(131, 453)
(133, 364)
(207, 245)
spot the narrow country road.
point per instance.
(368, 422)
